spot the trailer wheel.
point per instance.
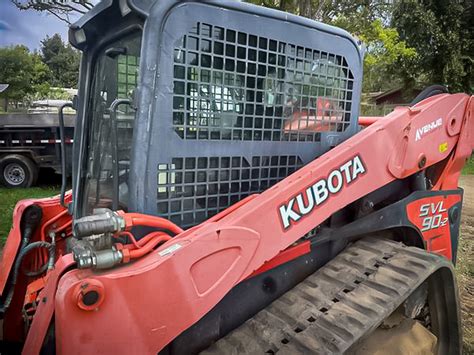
(17, 171)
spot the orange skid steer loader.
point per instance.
(226, 199)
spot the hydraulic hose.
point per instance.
(148, 247)
(17, 265)
(137, 219)
(137, 253)
(428, 92)
(140, 243)
(143, 247)
(132, 238)
(29, 221)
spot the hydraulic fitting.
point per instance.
(88, 258)
(102, 221)
(102, 259)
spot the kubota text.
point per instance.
(319, 192)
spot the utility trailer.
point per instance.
(29, 142)
(234, 205)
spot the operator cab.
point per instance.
(188, 107)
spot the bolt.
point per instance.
(422, 162)
(367, 206)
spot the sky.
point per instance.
(27, 27)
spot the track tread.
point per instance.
(338, 304)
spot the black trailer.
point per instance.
(30, 141)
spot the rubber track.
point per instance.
(336, 306)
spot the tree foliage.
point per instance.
(31, 75)
(409, 42)
(40, 74)
(62, 61)
(367, 20)
(23, 71)
(384, 51)
(442, 33)
(328, 10)
(58, 8)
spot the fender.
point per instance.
(433, 215)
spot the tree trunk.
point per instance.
(5, 104)
(305, 8)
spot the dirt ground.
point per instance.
(465, 263)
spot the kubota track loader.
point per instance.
(226, 200)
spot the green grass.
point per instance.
(8, 200)
(469, 167)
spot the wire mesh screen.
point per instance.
(233, 85)
(127, 78)
(190, 190)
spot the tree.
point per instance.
(328, 10)
(441, 32)
(366, 19)
(62, 61)
(24, 72)
(40, 76)
(17, 71)
(384, 50)
(58, 8)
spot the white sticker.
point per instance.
(170, 249)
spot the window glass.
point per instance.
(110, 132)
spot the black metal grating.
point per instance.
(190, 190)
(232, 85)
